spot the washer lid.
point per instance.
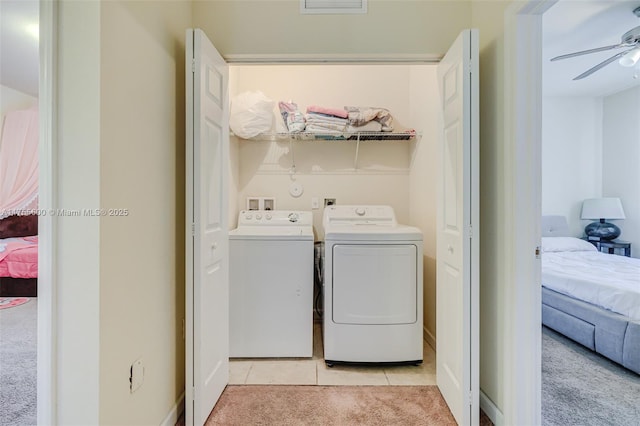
(297, 233)
(372, 233)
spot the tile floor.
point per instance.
(305, 371)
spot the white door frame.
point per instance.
(522, 136)
(47, 190)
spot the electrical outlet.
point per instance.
(329, 201)
(315, 204)
(136, 375)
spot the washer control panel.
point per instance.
(274, 217)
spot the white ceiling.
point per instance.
(569, 26)
(18, 48)
(575, 25)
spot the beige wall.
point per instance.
(277, 27)
(142, 157)
(488, 17)
(327, 169)
(422, 185)
(120, 141)
(77, 242)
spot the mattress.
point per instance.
(605, 280)
(19, 257)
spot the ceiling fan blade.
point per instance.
(602, 64)
(586, 52)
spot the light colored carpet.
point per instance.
(330, 405)
(580, 387)
(18, 331)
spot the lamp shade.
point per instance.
(602, 208)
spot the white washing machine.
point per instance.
(271, 261)
(372, 287)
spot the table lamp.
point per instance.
(602, 209)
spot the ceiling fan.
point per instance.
(628, 57)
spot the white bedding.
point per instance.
(606, 280)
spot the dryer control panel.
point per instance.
(359, 215)
(275, 218)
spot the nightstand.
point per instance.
(612, 246)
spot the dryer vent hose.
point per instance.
(318, 249)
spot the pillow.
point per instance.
(19, 226)
(554, 244)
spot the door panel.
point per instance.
(207, 280)
(374, 284)
(458, 230)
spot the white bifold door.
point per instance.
(207, 246)
(457, 329)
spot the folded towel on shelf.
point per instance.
(320, 123)
(318, 128)
(371, 126)
(328, 111)
(321, 118)
(358, 116)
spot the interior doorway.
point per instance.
(465, 371)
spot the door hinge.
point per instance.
(193, 64)
(470, 398)
(537, 252)
(193, 229)
(470, 231)
(193, 393)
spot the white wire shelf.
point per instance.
(343, 136)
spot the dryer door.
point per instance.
(374, 284)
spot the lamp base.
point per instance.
(602, 231)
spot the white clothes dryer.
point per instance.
(372, 287)
(271, 259)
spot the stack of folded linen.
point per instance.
(330, 121)
(372, 118)
(292, 117)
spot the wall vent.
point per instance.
(333, 7)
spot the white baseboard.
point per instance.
(175, 412)
(429, 338)
(491, 410)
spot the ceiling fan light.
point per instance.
(631, 58)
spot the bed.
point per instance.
(591, 297)
(18, 203)
(19, 256)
